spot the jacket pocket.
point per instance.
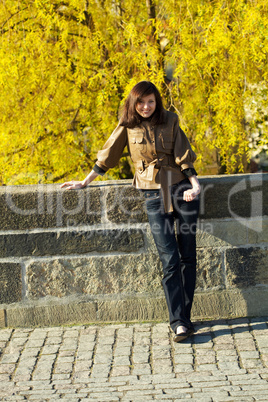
(137, 141)
(166, 142)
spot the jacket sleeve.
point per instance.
(183, 153)
(108, 157)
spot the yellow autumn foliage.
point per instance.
(67, 66)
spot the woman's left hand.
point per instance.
(191, 194)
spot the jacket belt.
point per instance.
(163, 164)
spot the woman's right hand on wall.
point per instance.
(73, 185)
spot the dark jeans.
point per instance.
(175, 238)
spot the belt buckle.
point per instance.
(150, 194)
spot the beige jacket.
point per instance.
(159, 154)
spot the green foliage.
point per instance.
(66, 67)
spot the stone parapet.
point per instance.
(88, 255)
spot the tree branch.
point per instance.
(12, 17)
(17, 23)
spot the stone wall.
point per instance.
(88, 255)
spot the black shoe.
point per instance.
(181, 336)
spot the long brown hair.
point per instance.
(130, 117)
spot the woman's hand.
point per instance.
(191, 194)
(73, 185)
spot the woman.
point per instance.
(164, 172)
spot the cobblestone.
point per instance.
(225, 360)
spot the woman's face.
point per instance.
(146, 106)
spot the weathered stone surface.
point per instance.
(70, 242)
(230, 303)
(258, 231)
(210, 304)
(247, 266)
(217, 233)
(237, 196)
(121, 274)
(10, 283)
(2, 318)
(209, 269)
(126, 274)
(52, 314)
(218, 304)
(125, 204)
(133, 309)
(46, 206)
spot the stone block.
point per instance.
(237, 196)
(73, 241)
(110, 275)
(125, 204)
(221, 233)
(258, 230)
(230, 303)
(52, 314)
(2, 318)
(247, 266)
(209, 269)
(133, 309)
(10, 282)
(47, 206)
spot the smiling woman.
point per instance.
(166, 177)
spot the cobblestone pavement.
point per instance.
(224, 361)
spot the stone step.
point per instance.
(73, 241)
